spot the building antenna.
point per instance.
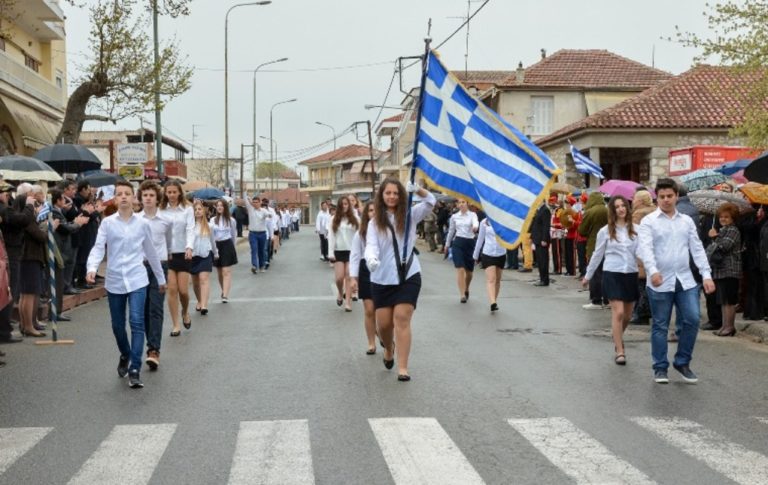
(653, 55)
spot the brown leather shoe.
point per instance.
(153, 359)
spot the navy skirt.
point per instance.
(461, 253)
(390, 295)
(201, 264)
(364, 282)
(620, 286)
(178, 263)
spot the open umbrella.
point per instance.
(207, 193)
(731, 168)
(562, 188)
(703, 179)
(627, 188)
(708, 201)
(99, 178)
(757, 171)
(67, 158)
(756, 193)
(445, 198)
(26, 169)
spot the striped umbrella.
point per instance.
(702, 179)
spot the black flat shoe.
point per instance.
(390, 363)
(188, 324)
(463, 299)
(403, 377)
(176, 333)
(203, 311)
(339, 302)
(494, 307)
(370, 351)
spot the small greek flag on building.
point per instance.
(469, 151)
(584, 164)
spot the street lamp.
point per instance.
(226, 81)
(334, 132)
(283, 59)
(271, 152)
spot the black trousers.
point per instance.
(753, 298)
(513, 261)
(556, 248)
(596, 287)
(5, 321)
(570, 256)
(714, 311)
(323, 246)
(542, 261)
(581, 251)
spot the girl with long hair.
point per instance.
(204, 251)
(395, 284)
(224, 229)
(340, 233)
(176, 208)
(356, 208)
(617, 243)
(360, 277)
(461, 240)
(491, 256)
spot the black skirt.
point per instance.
(227, 254)
(201, 264)
(341, 256)
(727, 291)
(390, 295)
(178, 264)
(31, 278)
(488, 261)
(620, 286)
(364, 282)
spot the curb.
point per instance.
(758, 331)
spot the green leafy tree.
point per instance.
(270, 169)
(739, 39)
(118, 78)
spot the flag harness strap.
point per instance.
(402, 267)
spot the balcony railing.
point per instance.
(354, 179)
(325, 182)
(30, 82)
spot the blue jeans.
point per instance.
(688, 312)
(135, 301)
(153, 310)
(258, 243)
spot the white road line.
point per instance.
(14, 442)
(762, 420)
(419, 451)
(731, 459)
(576, 453)
(128, 455)
(271, 452)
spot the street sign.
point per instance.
(129, 153)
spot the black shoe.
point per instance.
(72, 291)
(62, 318)
(525, 270)
(2, 354)
(11, 340)
(122, 367)
(687, 373)
(403, 377)
(39, 327)
(203, 311)
(494, 307)
(540, 283)
(85, 287)
(711, 326)
(134, 380)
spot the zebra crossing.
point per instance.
(415, 450)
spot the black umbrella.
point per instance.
(66, 158)
(757, 171)
(17, 167)
(99, 178)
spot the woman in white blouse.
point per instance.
(617, 243)
(225, 234)
(395, 286)
(204, 251)
(461, 239)
(360, 277)
(341, 230)
(176, 208)
(491, 256)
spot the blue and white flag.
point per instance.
(469, 151)
(584, 164)
(44, 211)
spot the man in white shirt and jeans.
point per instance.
(666, 238)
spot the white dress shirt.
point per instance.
(286, 218)
(223, 231)
(273, 223)
(341, 238)
(127, 244)
(204, 243)
(379, 245)
(183, 219)
(356, 255)
(620, 254)
(257, 219)
(162, 233)
(664, 245)
(487, 242)
(462, 225)
(321, 222)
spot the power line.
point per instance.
(307, 69)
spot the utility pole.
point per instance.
(158, 124)
(370, 154)
(242, 165)
(192, 155)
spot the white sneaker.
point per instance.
(591, 306)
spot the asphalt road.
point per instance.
(275, 387)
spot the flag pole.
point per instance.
(54, 297)
(412, 176)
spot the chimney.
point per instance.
(520, 73)
(543, 53)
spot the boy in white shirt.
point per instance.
(127, 238)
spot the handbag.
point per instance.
(716, 256)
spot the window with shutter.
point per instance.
(542, 110)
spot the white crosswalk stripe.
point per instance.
(576, 453)
(762, 420)
(14, 442)
(419, 451)
(272, 452)
(731, 459)
(128, 455)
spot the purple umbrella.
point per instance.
(627, 188)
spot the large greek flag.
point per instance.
(584, 164)
(469, 151)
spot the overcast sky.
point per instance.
(316, 35)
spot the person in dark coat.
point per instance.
(86, 235)
(540, 238)
(16, 214)
(751, 227)
(241, 218)
(63, 234)
(764, 258)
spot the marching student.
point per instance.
(394, 286)
(461, 239)
(491, 256)
(257, 234)
(321, 229)
(204, 251)
(127, 239)
(178, 210)
(161, 229)
(225, 234)
(341, 230)
(360, 277)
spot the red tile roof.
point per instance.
(286, 196)
(483, 79)
(343, 153)
(703, 97)
(587, 69)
